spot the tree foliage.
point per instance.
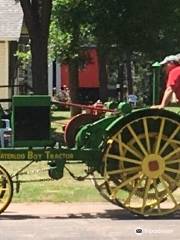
(125, 33)
(69, 21)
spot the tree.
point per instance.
(37, 14)
(102, 20)
(68, 32)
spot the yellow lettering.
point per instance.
(30, 155)
(12, 156)
(34, 156)
(47, 154)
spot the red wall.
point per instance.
(88, 76)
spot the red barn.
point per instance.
(88, 77)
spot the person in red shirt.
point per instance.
(172, 69)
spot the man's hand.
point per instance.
(160, 106)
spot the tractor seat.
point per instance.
(5, 133)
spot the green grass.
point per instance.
(59, 119)
(64, 190)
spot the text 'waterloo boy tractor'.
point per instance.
(133, 156)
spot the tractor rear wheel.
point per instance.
(6, 189)
(142, 162)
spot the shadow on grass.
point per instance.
(119, 214)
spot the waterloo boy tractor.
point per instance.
(132, 156)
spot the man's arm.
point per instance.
(166, 98)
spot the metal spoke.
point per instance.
(156, 194)
(147, 187)
(134, 151)
(126, 170)
(168, 191)
(177, 150)
(120, 145)
(160, 136)
(169, 179)
(130, 149)
(124, 159)
(174, 141)
(158, 199)
(137, 140)
(172, 170)
(109, 144)
(134, 190)
(124, 183)
(172, 161)
(169, 140)
(147, 135)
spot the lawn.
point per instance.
(64, 190)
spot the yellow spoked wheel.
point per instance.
(6, 189)
(142, 162)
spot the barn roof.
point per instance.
(11, 18)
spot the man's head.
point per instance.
(171, 59)
(170, 62)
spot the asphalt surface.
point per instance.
(83, 221)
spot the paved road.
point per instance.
(86, 221)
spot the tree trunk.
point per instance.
(121, 81)
(74, 70)
(37, 15)
(74, 86)
(12, 65)
(129, 74)
(39, 66)
(103, 79)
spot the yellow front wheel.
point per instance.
(142, 162)
(6, 189)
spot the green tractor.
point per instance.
(133, 156)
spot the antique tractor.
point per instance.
(132, 156)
